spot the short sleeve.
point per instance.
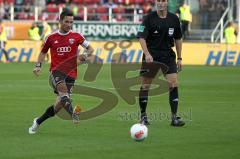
(178, 30)
(46, 45)
(82, 41)
(143, 29)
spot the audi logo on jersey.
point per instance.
(64, 49)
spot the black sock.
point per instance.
(143, 100)
(50, 112)
(173, 100)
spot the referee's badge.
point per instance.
(170, 31)
(141, 28)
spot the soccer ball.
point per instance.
(139, 132)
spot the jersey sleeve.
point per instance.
(178, 30)
(46, 45)
(143, 29)
(82, 41)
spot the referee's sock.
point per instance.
(173, 100)
(143, 100)
(50, 112)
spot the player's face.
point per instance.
(66, 23)
(161, 5)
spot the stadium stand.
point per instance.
(206, 13)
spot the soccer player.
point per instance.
(157, 34)
(63, 45)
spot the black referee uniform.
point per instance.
(159, 34)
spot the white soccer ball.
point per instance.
(139, 132)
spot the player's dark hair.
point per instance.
(65, 12)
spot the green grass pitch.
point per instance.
(209, 103)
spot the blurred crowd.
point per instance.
(97, 9)
(211, 11)
(208, 11)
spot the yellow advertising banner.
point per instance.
(192, 54)
(211, 54)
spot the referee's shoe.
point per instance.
(177, 122)
(144, 119)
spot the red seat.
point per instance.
(120, 1)
(61, 5)
(102, 10)
(91, 10)
(78, 1)
(31, 17)
(9, 1)
(118, 10)
(104, 18)
(131, 1)
(90, 1)
(22, 15)
(52, 16)
(98, 1)
(120, 18)
(52, 8)
(80, 9)
(150, 1)
(141, 1)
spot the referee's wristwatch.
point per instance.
(179, 58)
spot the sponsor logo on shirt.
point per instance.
(64, 49)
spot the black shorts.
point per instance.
(165, 61)
(57, 77)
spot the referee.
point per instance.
(157, 34)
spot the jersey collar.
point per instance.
(65, 33)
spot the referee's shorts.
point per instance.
(165, 62)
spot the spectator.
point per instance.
(231, 33)
(33, 32)
(46, 29)
(185, 17)
(111, 4)
(204, 12)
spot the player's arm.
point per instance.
(142, 35)
(178, 44)
(46, 45)
(38, 65)
(88, 51)
(148, 56)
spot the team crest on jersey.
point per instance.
(170, 31)
(71, 41)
